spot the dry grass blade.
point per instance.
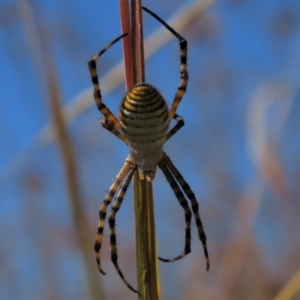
(72, 180)
(290, 290)
(51, 90)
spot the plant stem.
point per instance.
(147, 266)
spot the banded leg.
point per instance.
(102, 212)
(195, 206)
(178, 125)
(187, 212)
(104, 122)
(112, 220)
(183, 66)
(97, 92)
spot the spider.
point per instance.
(143, 125)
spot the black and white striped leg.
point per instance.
(105, 124)
(112, 220)
(183, 66)
(195, 206)
(178, 125)
(102, 212)
(187, 212)
(97, 92)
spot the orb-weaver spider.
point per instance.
(143, 125)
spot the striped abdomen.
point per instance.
(144, 119)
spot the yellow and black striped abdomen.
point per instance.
(144, 118)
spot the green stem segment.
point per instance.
(147, 263)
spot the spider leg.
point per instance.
(112, 220)
(187, 212)
(102, 212)
(177, 126)
(97, 92)
(195, 206)
(108, 126)
(183, 66)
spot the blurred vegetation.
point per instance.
(239, 149)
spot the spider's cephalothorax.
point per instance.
(143, 125)
(144, 119)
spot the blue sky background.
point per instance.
(239, 149)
